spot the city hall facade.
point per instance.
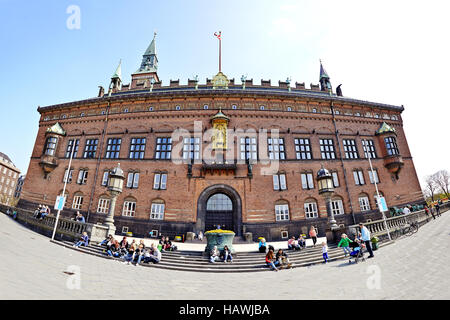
(239, 155)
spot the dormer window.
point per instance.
(205, 107)
(82, 114)
(150, 109)
(177, 108)
(234, 107)
(289, 109)
(261, 108)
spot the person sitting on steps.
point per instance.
(226, 254)
(214, 255)
(270, 260)
(283, 259)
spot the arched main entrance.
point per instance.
(219, 212)
(219, 205)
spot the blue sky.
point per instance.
(386, 52)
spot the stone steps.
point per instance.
(243, 261)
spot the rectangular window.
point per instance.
(77, 202)
(157, 211)
(359, 177)
(50, 146)
(103, 205)
(129, 208)
(275, 148)
(364, 204)
(163, 148)
(327, 149)
(311, 210)
(68, 176)
(82, 176)
(307, 181)
(90, 148)
(303, 149)
(191, 148)
(160, 181)
(374, 176)
(391, 146)
(133, 180)
(113, 148)
(105, 178)
(248, 149)
(369, 149)
(281, 212)
(137, 148)
(70, 145)
(335, 179)
(337, 207)
(350, 149)
(279, 182)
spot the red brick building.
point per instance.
(244, 156)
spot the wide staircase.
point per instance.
(242, 261)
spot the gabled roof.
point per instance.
(385, 128)
(57, 129)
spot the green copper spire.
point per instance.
(118, 73)
(149, 59)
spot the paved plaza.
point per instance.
(414, 267)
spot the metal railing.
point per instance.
(377, 228)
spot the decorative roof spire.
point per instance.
(323, 73)
(149, 59)
(118, 73)
(324, 79)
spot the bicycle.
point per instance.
(406, 229)
(412, 228)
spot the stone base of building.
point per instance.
(279, 231)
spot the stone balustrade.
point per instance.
(377, 228)
(66, 229)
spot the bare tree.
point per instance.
(442, 180)
(431, 186)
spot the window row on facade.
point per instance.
(248, 148)
(281, 208)
(307, 179)
(131, 178)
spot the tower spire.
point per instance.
(324, 79)
(116, 79)
(148, 68)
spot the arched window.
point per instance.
(281, 210)
(77, 201)
(157, 209)
(364, 203)
(219, 202)
(310, 207)
(103, 204)
(129, 207)
(337, 205)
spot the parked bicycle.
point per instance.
(405, 230)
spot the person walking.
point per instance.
(345, 243)
(365, 236)
(313, 235)
(438, 209)
(325, 253)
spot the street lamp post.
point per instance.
(326, 189)
(115, 187)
